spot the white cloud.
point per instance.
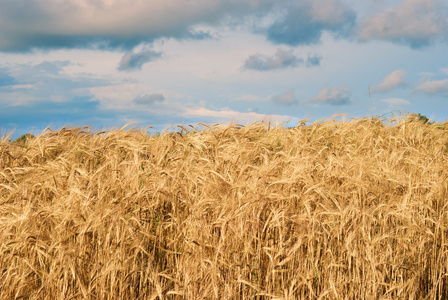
(391, 81)
(414, 22)
(434, 87)
(333, 96)
(395, 101)
(235, 116)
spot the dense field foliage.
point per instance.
(355, 209)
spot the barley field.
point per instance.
(352, 209)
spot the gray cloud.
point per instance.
(113, 24)
(285, 99)
(149, 99)
(135, 61)
(105, 24)
(333, 96)
(313, 61)
(413, 22)
(119, 25)
(281, 59)
(304, 22)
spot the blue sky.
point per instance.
(106, 63)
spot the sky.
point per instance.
(160, 63)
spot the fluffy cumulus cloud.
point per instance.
(391, 81)
(333, 96)
(303, 22)
(135, 61)
(439, 87)
(285, 99)
(149, 99)
(413, 22)
(281, 59)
